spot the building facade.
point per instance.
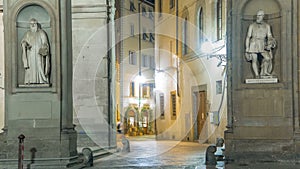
(162, 68)
(190, 45)
(135, 53)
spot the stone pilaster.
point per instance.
(262, 116)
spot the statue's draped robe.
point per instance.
(36, 57)
(258, 33)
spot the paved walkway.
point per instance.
(263, 166)
(148, 153)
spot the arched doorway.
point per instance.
(130, 122)
(147, 121)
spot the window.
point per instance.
(146, 61)
(152, 62)
(151, 39)
(160, 7)
(152, 86)
(219, 20)
(132, 29)
(144, 13)
(145, 36)
(151, 16)
(131, 121)
(173, 103)
(131, 90)
(132, 7)
(171, 48)
(132, 57)
(185, 36)
(172, 4)
(219, 87)
(162, 105)
(146, 91)
(200, 26)
(171, 54)
(145, 121)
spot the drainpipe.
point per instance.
(177, 59)
(140, 52)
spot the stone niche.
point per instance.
(262, 118)
(22, 26)
(42, 110)
(273, 17)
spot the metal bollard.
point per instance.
(88, 157)
(21, 151)
(210, 158)
(220, 148)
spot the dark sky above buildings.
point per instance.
(151, 1)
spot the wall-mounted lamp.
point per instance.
(217, 51)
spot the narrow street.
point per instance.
(149, 153)
(146, 152)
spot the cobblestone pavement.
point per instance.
(267, 165)
(146, 153)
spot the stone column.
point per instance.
(67, 106)
(112, 139)
(2, 121)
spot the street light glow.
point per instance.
(207, 47)
(140, 79)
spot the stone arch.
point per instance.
(269, 6)
(147, 119)
(22, 25)
(131, 112)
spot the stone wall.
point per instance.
(42, 111)
(262, 117)
(90, 65)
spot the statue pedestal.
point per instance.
(262, 79)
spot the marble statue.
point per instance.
(35, 54)
(259, 41)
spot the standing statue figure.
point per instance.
(35, 56)
(259, 41)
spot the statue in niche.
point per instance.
(259, 44)
(35, 54)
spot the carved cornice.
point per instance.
(85, 11)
